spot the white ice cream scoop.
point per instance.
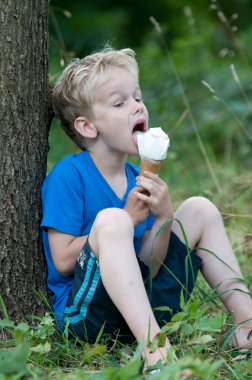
(153, 144)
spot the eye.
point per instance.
(118, 105)
(139, 100)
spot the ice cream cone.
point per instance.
(152, 166)
(152, 146)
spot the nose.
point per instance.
(137, 106)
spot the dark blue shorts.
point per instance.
(89, 306)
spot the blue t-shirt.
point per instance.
(72, 195)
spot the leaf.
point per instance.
(161, 339)
(178, 317)
(163, 308)
(100, 333)
(153, 345)
(199, 348)
(188, 328)
(203, 339)
(93, 351)
(182, 301)
(14, 361)
(6, 323)
(24, 327)
(210, 324)
(173, 328)
(47, 320)
(158, 341)
(4, 309)
(41, 348)
(20, 330)
(194, 306)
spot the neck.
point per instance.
(109, 164)
(112, 167)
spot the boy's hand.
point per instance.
(158, 200)
(136, 208)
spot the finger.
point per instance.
(148, 185)
(139, 200)
(138, 189)
(134, 189)
(142, 196)
(153, 176)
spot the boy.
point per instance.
(100, 230)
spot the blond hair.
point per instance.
(73, 92)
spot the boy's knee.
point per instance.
(113, 221)
(204, 208)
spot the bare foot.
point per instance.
(152, 358)
(242, 338)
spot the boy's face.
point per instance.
(119, 112)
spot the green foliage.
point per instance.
(41, 352)
(15, 361)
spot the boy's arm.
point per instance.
(65, 250)
(155, 242)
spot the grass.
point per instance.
(198, 334)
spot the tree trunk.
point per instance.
(24, 126)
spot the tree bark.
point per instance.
(24, 126)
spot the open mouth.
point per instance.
(139, 127)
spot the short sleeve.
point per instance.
(63, 200)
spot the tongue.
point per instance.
(135, 137)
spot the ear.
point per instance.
(85, 127)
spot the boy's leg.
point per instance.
(111, 240)
(204, 228)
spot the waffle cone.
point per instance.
(152, 166)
